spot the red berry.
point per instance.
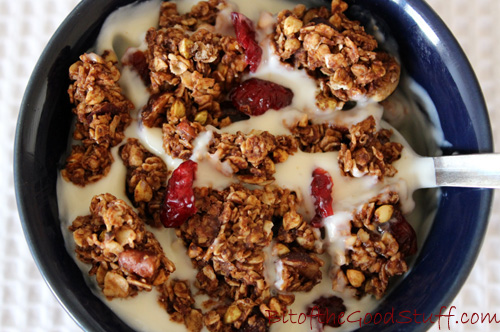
(179, 205)
(321, 190)
(245, 34)
(327, 311)
(256, 96)
(139, 62)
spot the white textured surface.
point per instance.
(26, 303)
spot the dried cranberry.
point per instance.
(179, 205)
(317, 221)
(232, 113)
(403, 232)
(256, 96)
(327, 310)
(321, 190)
(245, 34)
(138, 61)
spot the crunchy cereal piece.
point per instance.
(323, 137)
(303, 235)
(377, 248)
(277, 305)
(369, 152)
(252, 157)
(102, 110)
(300, 271)
(102, 115)
(197, 68)
(337, 52)
(168, 107)
(213, 320)
(202, 14)
(125, 258)
(146, 180)
(178, 301)
(87, 164)
(178, 139)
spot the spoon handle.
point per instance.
(475, 170)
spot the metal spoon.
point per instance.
(475, 170)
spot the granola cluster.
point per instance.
(324, 137)
(178, 139)
(125, 257)
(227, 240)
(146, 180)
(252, 157)
(178, 301)
(102, 113)
(380, 240)
(191, 66)
(369, 151)
(337, 52)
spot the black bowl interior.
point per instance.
(430, 55)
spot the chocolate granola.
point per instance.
(189, 69)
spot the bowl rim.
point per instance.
(463, 75)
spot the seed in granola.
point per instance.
(201, 117)
(256, 96)
(178, 109)
(245, 34)
(178, 205)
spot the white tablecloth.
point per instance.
(26, 303)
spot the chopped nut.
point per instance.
(280, 249)
(185, 47)
(232, 314)
(355, 277)
(384, 213)
(115, 285)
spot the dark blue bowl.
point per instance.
(430, 54)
